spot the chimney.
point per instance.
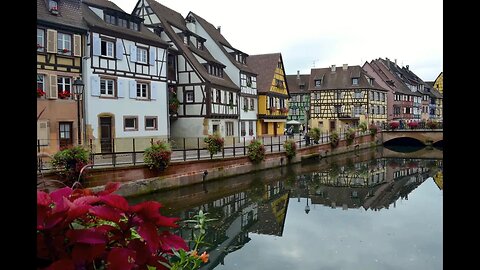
(219, 28)
(345, 66)
(333, 68)
(395, 62)
(298, 74)
(388, 64)
(406, 67)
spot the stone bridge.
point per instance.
(425, 136)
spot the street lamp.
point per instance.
(78, 91)
(307, 207)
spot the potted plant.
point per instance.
(373, 129)
(70, 161)
(158, 155)
(256, 151)
(284, 110)
(334, 139)
(350, 136)
(363, 126)
(40, 92)
(314, 134)
(412, 125)
(394, 125)
(431, 124)
(214, 143)
(290, 148)
(173, 103)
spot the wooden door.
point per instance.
(264, 128)
(106, 134)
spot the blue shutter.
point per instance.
(133, 89)
(154, 88)
(122, 84)
(95, 86)
(119, 49)
(133, 53)
(151, 59)
(97, 46)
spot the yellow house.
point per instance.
(343, 97)
(272, 91)
(438, 84)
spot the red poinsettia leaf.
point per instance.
(76, 211)
(148, 231)
(85, 252)
(62, 205)
(105, 212)
(116, 201)
(43, 198)
(86, 200)
(141, 251)
(52, 220)
(148, 211)
(167, 221)
(64, 264)
(170, 241)
(87, 236)
(154, 261)
(121, 259)
(110, 187)
(58, 194)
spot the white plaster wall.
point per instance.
(187, 127)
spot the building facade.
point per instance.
(125, 80)
(438, 84)
(273, 93)
(206, 96)
(299, 103)
(60, 39)
(343, 97)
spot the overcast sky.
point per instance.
(321, 33)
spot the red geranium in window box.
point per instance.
(40, 92)
(65, 50)
(64, 94)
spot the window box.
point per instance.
(273, 109)
(40, 92)
(284, 110)
(64, 94)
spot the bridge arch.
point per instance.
(403, 141)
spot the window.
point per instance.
(278, 83)
(185, 39)
(302, 86)
(250, 128)
(64, 85)
(245, 103)
(107, 87)
(383, 96)
(130, 123)
(377, 96)
(358, 94)
(357, 110)
(242, 128)
(142, 90)
(370, 80)
(279, 65)
(229, 130)
(339, 95)
(252, 104)
(64, 43)
(110, 19)
(142, 55)
(219, 96)
(40, 40)
(230, 98)
(318, 83)
(199, 45)
(249, 81)
(122, 22)
(150, 123)
(65, 133)
(106, 48)
(355, 81)
(53, 6)
(189, 97)
(41, 82)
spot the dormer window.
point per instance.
(279, 65)
(318, 83)
(122, 23)
(185, 39)
(354, 81)
(109, 19)
(302, 86)
(134, 26)
(199, 45)
(53, 7)
(371, 80)
(214, 70)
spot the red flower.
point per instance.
(40, 92)
(64, 94)
(65, 50)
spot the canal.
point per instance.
(373, 209)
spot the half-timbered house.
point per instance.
(60, 36)
(125, 79)
(273, 93)
(236, 68)
(299, 103)
(342, 97)
(206, 96)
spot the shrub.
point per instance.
(373, 129)
(70, 161)
(334, 138)
(214, 143)
(412, 125)
(314, 134)
(256, 151)
(290, 148)
(158, 155)
(394, 125)
(363, 126)
(431, 124)
(82, 229)
(350, 136)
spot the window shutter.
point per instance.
(51, 41)
(133, 89)
(43, 131)
(133, 53)
(97, 44)
(119, 49)
(121, 85)
(95, 86)
(77, 45)
(53, 87)
(154, 89)
(152, 56)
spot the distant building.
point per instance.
(438, 84)
(299, 103)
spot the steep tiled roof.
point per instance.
(220, 40)
(69, 14)
(94, 21)
(264, 65)
(294, 84)
(169, 17)
(394, 69)
(341, 79)
(382, 69)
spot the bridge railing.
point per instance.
(421, 126)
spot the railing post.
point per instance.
(114, 156)
(300, 140)
(279, 142)
(134, 155)
(184, 151)
(271, 144)
(233, 146)
(92, 156)
(198, 148)
(244, 150)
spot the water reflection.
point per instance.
(255, 210)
